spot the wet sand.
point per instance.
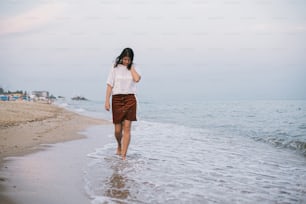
(26, 127)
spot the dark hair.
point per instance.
(127, 52)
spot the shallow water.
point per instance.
(177, 164)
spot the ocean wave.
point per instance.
(63, 105)
(303, 126)
(79, 110)
(296, 145)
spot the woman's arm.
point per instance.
(107, 97)
(135, 75)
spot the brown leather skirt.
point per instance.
(124, 107)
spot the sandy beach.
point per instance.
(25, 126)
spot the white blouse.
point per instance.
(121, 80)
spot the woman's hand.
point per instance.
(107, 97)
(135, 75)
(107, 105)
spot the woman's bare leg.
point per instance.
(118, 135)
(126, 137)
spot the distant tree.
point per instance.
(1, 90)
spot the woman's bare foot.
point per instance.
(123, 157)
(118, 151)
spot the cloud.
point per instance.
(30, 19)
(276, 28)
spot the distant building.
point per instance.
(40, 95)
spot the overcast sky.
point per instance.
(250, 49)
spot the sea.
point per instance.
(244, 151)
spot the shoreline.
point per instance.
(25, 127)
(55, 174)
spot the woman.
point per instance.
(121, 84)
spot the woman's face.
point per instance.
(126, 61)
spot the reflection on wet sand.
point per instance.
(117, 186)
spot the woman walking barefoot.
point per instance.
(121, 85)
